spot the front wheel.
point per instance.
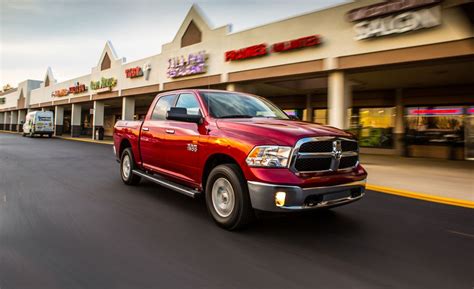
(227, 197)
(127, 165)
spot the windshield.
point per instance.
(236, 105)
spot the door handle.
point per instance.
(146, 129)
(170, 131)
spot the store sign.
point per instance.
(423, 111)
(60, 92)
(262, 49)
(103, 85)
(387, 7)
(247, 52)
(394, 17)
(2, 100)
(400, 23)
(194, 64)
(134, 72)
(78, 88)
(303, 42)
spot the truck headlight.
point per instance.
(269, 156)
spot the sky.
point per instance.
(69, 35)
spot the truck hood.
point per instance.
(274, 131)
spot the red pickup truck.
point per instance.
(241, 152)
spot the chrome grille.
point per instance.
(324, 154)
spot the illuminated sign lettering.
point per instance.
(134, 72)
(60, 92)
(399, 23)
(436, 111)
(262, 49)
(247, 52)
(194, 64)
(103, 85)
(387, 7)
(78, 88)
(296, 43)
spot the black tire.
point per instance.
(131, 179)
(50, 135)
(23, 134)
(242, 212)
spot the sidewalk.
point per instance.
(439, 178)
(107, 140)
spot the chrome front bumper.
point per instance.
(262, 196)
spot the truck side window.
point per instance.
(188, 101)
(162, 107)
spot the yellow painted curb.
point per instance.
(420, 196)
(9, 131)
(85, 140)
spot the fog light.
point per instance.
(280, 199)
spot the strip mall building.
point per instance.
(399, 74)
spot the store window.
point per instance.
(435, 126)
(469, 134)
(373, 126)
(320, 116)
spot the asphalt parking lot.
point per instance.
(67, 221)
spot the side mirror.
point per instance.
(181, 114)
(294, 117)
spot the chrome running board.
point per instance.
(168, 184)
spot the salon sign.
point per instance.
(394, 17)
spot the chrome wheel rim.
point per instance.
(223, 197)
(126, 167)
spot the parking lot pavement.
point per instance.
(67, 221)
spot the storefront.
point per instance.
(397, 74)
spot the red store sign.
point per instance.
(78, 88)
(261, 49)
(296, 43)
(134, 72)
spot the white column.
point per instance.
(6, 120)
(58, 120)
(128, 107)
(21, 119)
(98, 119)
(399, 123)
(399, 129)
(339, 100)
(14, 120)
(76, 120)
(240, 88)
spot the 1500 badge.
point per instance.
(192, 147)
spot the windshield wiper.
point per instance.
(237, 116)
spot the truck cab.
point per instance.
(241, 152)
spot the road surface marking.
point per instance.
(462, 234)
(421, 196)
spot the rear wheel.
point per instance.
(227, 197)
(127, 165)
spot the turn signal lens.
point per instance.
(280, 199)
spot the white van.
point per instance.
(38, 122)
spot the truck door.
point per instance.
(153, 133)
(181, 143)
